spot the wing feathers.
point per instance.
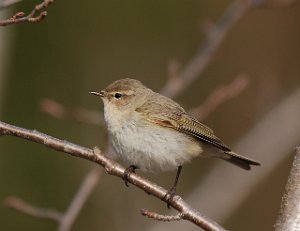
(176, 118)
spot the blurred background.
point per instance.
(81, 47)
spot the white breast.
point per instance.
(150, 146)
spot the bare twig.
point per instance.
(160, 217)
(274, 3)
(80, 114)
(289, 214)
(112, 168)
(220, 95)
(36, 15)
(80, 198)
(65, 220)
(7, 3)
(206, 52)
(24, 207)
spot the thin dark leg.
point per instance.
(177, 177)
(128, 171)
(170, 194)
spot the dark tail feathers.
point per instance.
(240, 161)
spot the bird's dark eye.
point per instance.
(118, 95)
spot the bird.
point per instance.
(152, 132)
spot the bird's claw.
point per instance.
(128, 171)
(169, 196)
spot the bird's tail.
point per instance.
(240, 161)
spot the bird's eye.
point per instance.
(118, 95)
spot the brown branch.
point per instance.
(289, 218)
(64, 220)
(275, 3)
(86, 188)
(180, 80)
(220, 95)
(26, 208)
(160, 217)
(200, 61)
(36, 15)
(112, 168)
(80, 114)
(7, 3)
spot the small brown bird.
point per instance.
(152, 132)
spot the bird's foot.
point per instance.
(169, 196)
(128, 171)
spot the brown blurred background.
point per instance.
(84, 46)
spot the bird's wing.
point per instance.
(173, 116)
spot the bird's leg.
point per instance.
(171, 193)
(128, 171)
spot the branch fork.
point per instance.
(36, 15)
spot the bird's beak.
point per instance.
(100, 94)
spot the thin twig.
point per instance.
(112, 168)
(274, 3)
(160, 217)
(7, 3)
(199, 62)
(64, 220)
(289, 214)
(220, 95)
(80, 198)
(80, 114)
(36, 15)
(26, 208)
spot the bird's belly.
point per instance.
(153, 148)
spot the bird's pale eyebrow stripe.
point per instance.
(125, 92)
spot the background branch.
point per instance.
(289, 218)
(112, 168)
(85, 190)
(220, 95)
(36, 15)
(80, 114)
(180, 81)
(65, 220)
(160, 217)
(7, 3)
(26, 208)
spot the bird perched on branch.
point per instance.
(152, 132)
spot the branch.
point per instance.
(24, 207)
(112, 168)
(179, 82)
(7, 3)
(36, 15)
(220, 95)
(289, 218)
(80, 198)
(80, 114)
(65, 220)
(160, 217)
